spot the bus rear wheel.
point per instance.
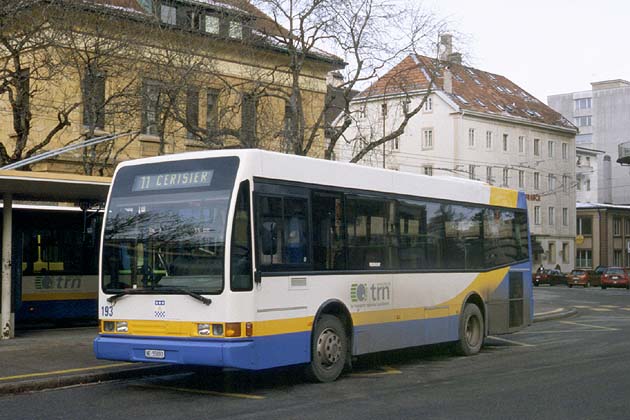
(470, 331)
(329, 350)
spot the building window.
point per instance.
(212, 24)
(93, 89)
(583, 121)
(428, 104)
(488, 139)
(584, 226)
(552, 252)
(384, 110)
(565, 252)
(584, 258)
(151, 107)
(536, 147)
(192, 111)
(565, 216)
(193, 19)
(506, 176)
(396, 143)
(471, 137)
(536, 180)
(521, 144)
(551, 148)
(552, 216)
(565, 183)
(536, 215)
(505, 142)
(249, 119)
(583, 103)
(471, 171)
(427, 138)
(617, 226)
(551, 182)
(489, 174)
(168, 14)
(405, 105)
(578, 183)
(236, 29)
(565, 151)
(627, 227)
(212, 112)
(427, 170)
(587, 184)
(521, 179)
(617, 258)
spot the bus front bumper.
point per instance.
(207, 352)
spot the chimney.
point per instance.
(448, 80)
(446, 42)
(455, 58)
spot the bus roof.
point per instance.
(273, 165)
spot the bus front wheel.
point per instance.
(329, 349)
(470, 330)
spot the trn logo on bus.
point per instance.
(370, 294)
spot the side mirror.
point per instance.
(269, 238)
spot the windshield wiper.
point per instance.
(168, 289)
(197, 296)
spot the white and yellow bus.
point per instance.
(252, 259)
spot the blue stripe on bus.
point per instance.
(51, 310)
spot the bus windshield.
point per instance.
(165, 228)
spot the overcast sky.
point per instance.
(544, 46)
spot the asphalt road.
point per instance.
(572, 368)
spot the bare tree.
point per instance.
(368, 34)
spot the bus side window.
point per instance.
(240, 255)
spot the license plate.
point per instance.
(615, 278)
(154, 354)
(575, 281)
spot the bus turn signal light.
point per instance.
(233, 329)
(249, 329)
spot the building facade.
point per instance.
(178, 75)
(603, 235)
(601, 115)
(586, 172)
(478, 125)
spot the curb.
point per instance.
(52, 382)
(555, 314)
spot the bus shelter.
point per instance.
(38, 187)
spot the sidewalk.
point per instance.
(53, 358)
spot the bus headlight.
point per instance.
(203, 329)
(109, 326)
(121, 327)
(217, 330)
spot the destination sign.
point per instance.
(172, 181)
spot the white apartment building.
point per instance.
(479, 125)
(586, 172)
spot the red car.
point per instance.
(578, 278)
(550, 277)
(615, 277)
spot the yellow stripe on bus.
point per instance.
(484, 284)
(31, 297)
(503, 197)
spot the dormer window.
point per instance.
(236, 29)
(212, 25)
(168, 14)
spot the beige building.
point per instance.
(603, 235)
(178, 75)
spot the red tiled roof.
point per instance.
(472, 89)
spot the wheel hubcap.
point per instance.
(472, 331)
(329, 347)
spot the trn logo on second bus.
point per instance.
(370, 294)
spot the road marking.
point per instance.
(609, 306)
(61, 372)
(555, 311)
(589, 325)
(200, 391)
(385, 370)
(625, 309)
(582, 306)
(601, 309)
(518, 343)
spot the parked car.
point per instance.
(596, 274)
(579, 278)
(550, 277)
(615, 277)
